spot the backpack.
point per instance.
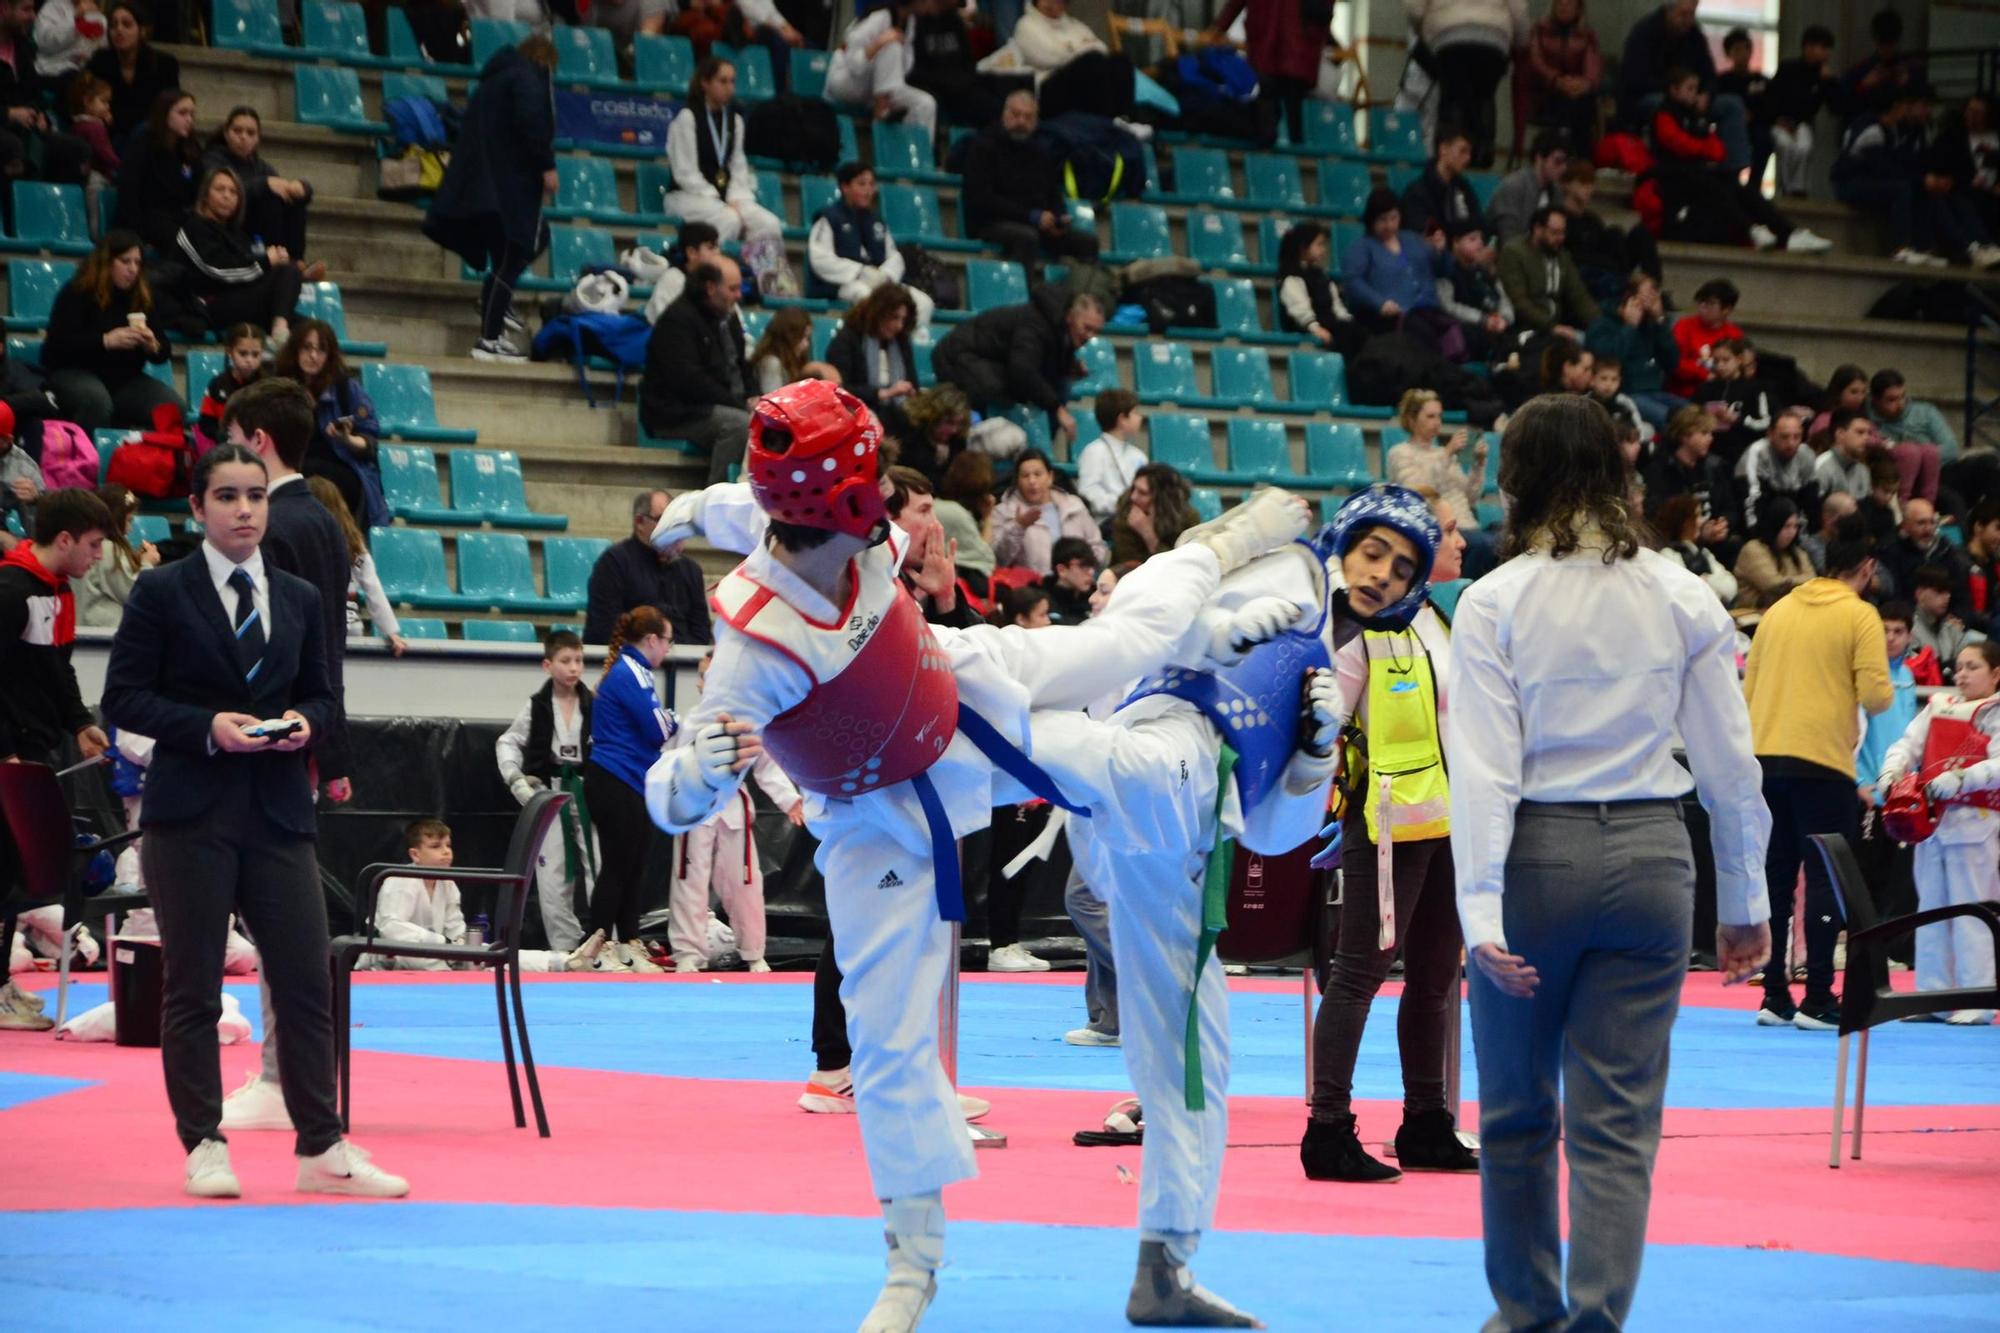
(415, 122)
(1099, 160)
(798, 131)
(765, 260)
(155, 464)
(69, 458)
(1170, 302)
(578, 336)
(1215, 75)
(933, 277)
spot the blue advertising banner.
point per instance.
(614, 118)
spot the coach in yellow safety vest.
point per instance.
(1392, 683)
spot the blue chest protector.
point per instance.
(1254, 704)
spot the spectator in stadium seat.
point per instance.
(697, 385)
(1920, 439)
(626, 19)
(1389, 270)
(1846, 387)
(21, 483)
(1442, 199)
(488, 210)
(1285, 44)
(1151, 515)
(1542, 280)
(784, 353)
(137, 71)
(365, 584)
(1938, 625)
(1835, 507)
(102, 592)
(440, 29)
(1667, 40)
(30, 144)
(1684, 466)
(1797, 91)
(1982, 556)
(1778, 467)
(1308, 301)
(1678, 525)
(1696, 334)
(1739, 79)
(1736, 398)
(1022, 353)
(1607, 256)
(66, 36)
(695, 244)
(872, 66)
(274, 206)
(346, 431)
(1107, 465)
(849, 252)
(1431, 458)
(95, 352)
(1875, 80)
(1564, 69)
(1073, 70)
(1637, 337)
(1567, 367)
(1471, 41)
(713, 182)
(230, 278)
(1968, 151)
(632, 573)
(1469, 290)
(159, 171)
(945, 64)
(965, 502)
(1072, 579)
(1036, 513)
(1772, 562)
(874, 355)
(1536, 186)
(1698, 182)
(1889, 167)
(1012, 192)
(940, 420)
(1918, 543)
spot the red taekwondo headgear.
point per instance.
(814, 459)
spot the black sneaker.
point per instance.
(1428, 1141)
(1332, 1151)
(1778, 1010)
(1818, 1015)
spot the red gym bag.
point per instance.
(156, 464)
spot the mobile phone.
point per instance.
(276, 732)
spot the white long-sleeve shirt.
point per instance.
(1104, 471)
(852, 54)
(684, 157)
(1960, 823)
(566, 740)
(1569, 681)
(365, 581)
(1046, 45)
(1350, 666)
(832, 267)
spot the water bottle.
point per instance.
(477, 931)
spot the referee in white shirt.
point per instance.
(1573, 666)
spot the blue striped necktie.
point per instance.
(249, 625)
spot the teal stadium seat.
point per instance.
(202, 367)
(410, 485)
(1273, 181)
(163, 371)
(491, 36)
(1201, 176)
(249, 25)
(662, 64)
(28, 351)
(1207, 504)
(1271, 229)
(501, 631)
(495, 572)
(587, 187)
(410, 562)
(1318, 381)
(489, 481)
(903, 152)
(1215, 240)
(1329, 128)
(1035, 422)
(913, 217)
(1100, 369)
(1242, 378)
(1395, 136)
(1165, 374)
(330, 31)
(1402, 176)
(32, 285)
(428, 86)
(755, 81)
(1236, 313)
(322, 301)
(1337, 454)
(1344, 188)
(808, 73)
(754, 323)
(566, 566)
(428, 628)
(1258, 452)
(585, 56)
(1484, 185)
(817, 193)
(1139, 231)
(1182, 443)
(571, 250)
(145, 528)
(405, 405)
(404, 52)
(823, 329)
(652, 183)
(990, 283)
(331, 97)
(49, 217)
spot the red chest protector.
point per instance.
(883, 705)
(1953, 742)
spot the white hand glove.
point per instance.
(1319, 718)
(715, 752)
(1945, 786)
(525, 787)
(680, 521)
(1236, 633)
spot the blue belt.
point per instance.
(1005, 756)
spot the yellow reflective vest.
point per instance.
(1401, 731)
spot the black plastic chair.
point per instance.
(501, 953)
(1866, 1000)
(43, 830)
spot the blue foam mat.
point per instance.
(429, 1266)
(20, 1089)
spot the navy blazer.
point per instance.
(174, 667)
(302, 538)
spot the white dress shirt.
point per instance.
(1104, 471)
(1569, 681)
(220, 568)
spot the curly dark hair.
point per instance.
(868, 314)
(1559, 462)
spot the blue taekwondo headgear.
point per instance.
(1385, 506)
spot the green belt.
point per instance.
(1214, 918)
(578, 853)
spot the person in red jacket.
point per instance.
(1704, 199)
(1285, 41)
(1697, 334)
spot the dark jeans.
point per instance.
(1468, 76)
(1427, 930)
(278, 221)
(496, 294)
(1289, 97)
(624, 832)
(1026, 244)
(1095, 82)
(1944, 224)
(87, 401)
(272, 297)
(830, 1048)
(1801, 807)
(1575, 116)
(233, 859)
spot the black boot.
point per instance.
(1428, 1141)
(1332, 1151)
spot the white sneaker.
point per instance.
(1090, 1037)
(1760, 236)
(1984, 256)
(583, 958)
(21, 1011)
(345, 1169)
(1269, 519)
(759, 966)
(1917, 258)
(1966, 1018)
(1138, 129)
(1014, 958)
(498, 349)
(1804, 241)
(828, 1092)
(683, 966)
(256, 1105)
(208, 1172)
(971, 1107)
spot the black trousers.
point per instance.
(1026, 244)
(273, 297)
(278, 221)
(234, 859)
(830, 1048)
(496, 294)
(1096, 82)
(1801, 807)
(1288, 97)
(624, 832)
(1468, 77)
(1014, 827)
